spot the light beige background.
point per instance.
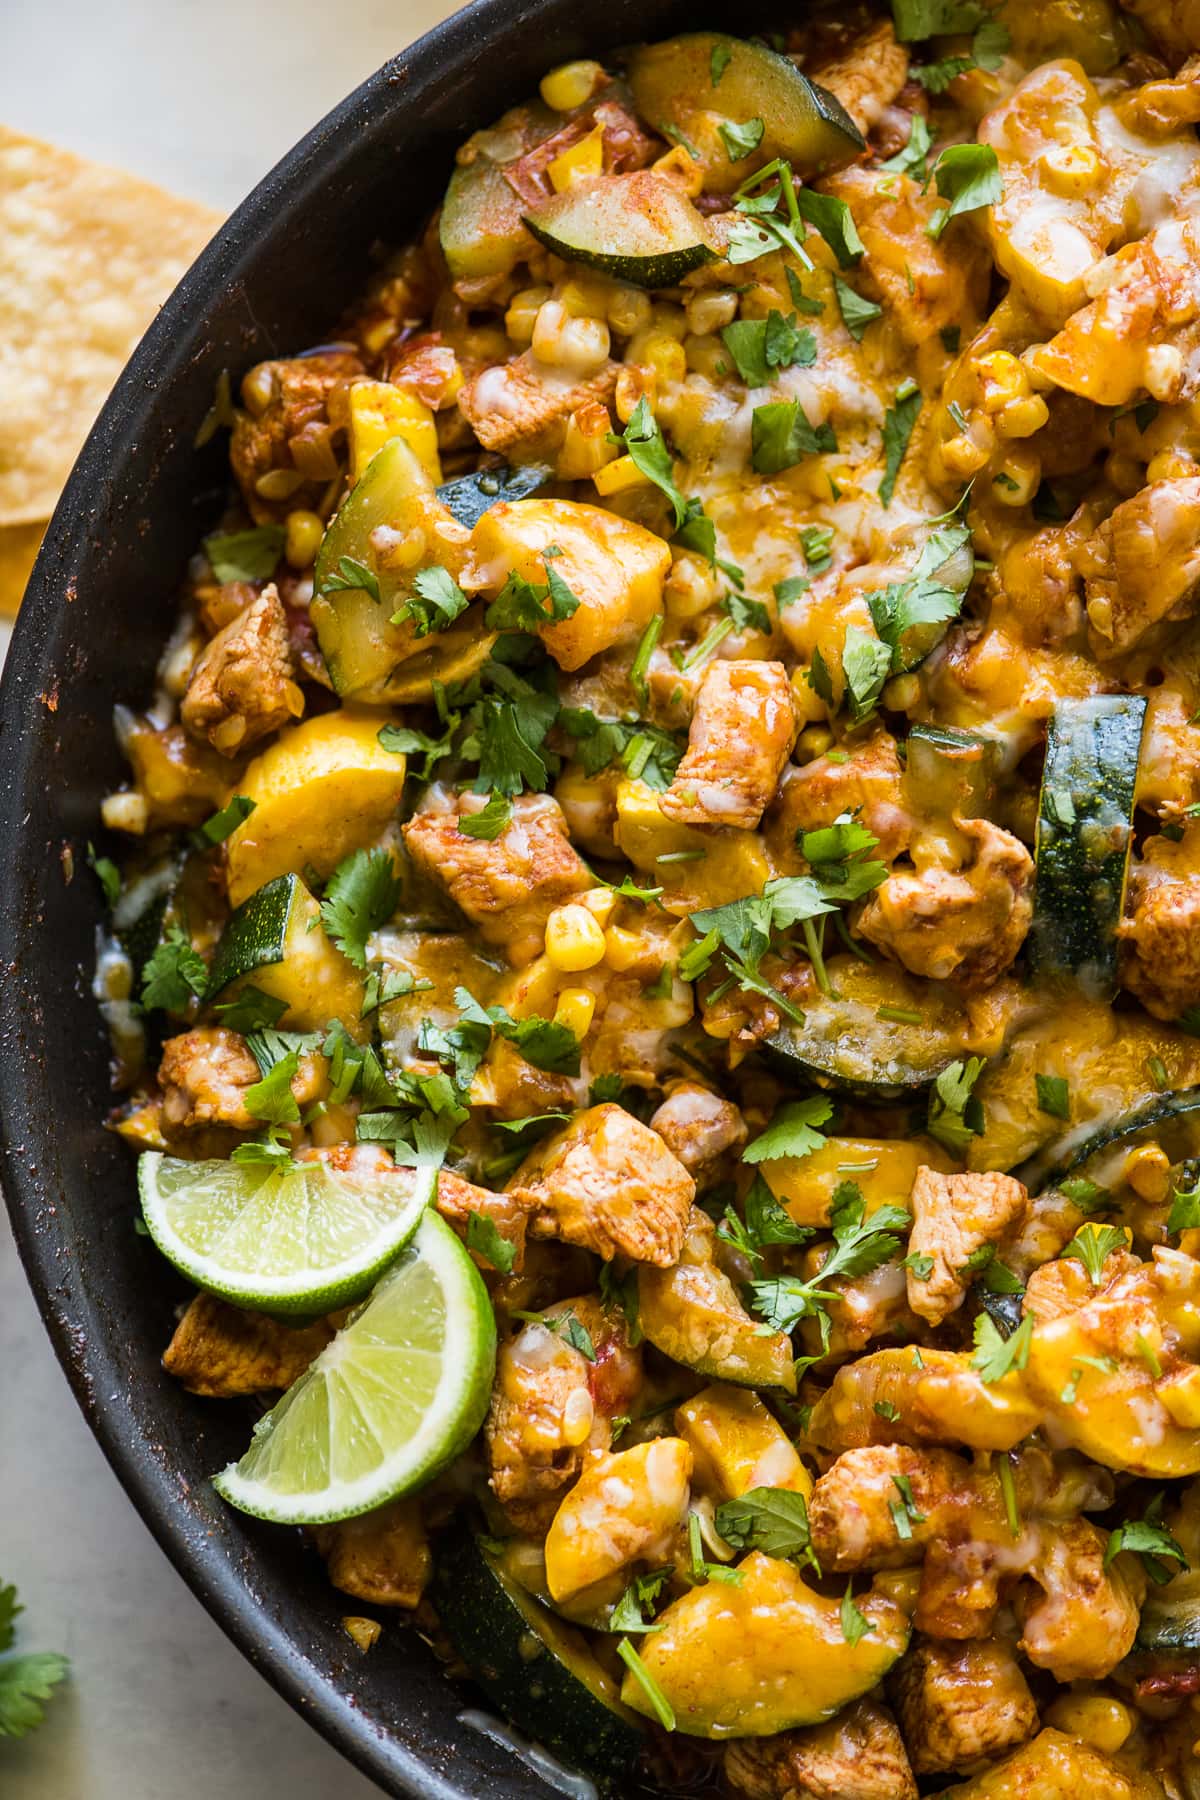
(202, 96)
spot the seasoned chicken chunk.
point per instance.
(1054, 1766)
(204, 1076)
(287, 408)
(241, 687)
(850, 1513)
(508, 885)
(741, 736)
(867, 782)
(957, 924)
(511, 403)
(459, 1200)
(608, 1183)
(699, 1127)
(1081, 1618)
(859, 1755)
(1161, 932)
(552, 1408)
(1143, 564)
(221, 1351)
(866, 74)
(953, 1217)
(957, 1703)
(382, 1556)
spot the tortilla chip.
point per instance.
(18, 547)
(87, 256)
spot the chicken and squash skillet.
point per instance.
(657, 979)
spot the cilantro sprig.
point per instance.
(861, 1244)
(28, 1679)
(360, 896)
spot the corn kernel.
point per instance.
(522, 313)
(1148, 1172)
(710, 310)
(669, 319)
(601, 903)
(585, 445)
(1098, 1719)
(1125, 473)
(616, 476)
(707, 356)
(963, 456)
(364, 1632)
(1070, 169)
(574, 939)
(574, 1010)
(1164, 367)
(142, 1128)
(660, 352)
(571, 84)
(633, 385)
(1017, 479)
(580, 162)
(578, 345)
(1021, 418)
(628, 309)
(304, 531)
(1002, 378)
(278, 484)
(1168, 465)
(813, 741)
(583, 298)
(1180, 1394)
(258, 389)
(681, 167)
(691, 587)
(125, 812)
(622, 949)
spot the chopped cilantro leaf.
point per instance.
(489, 821)
(174, 973)
(249, 555)
(743, 140)
(781, 435)
(362, 894)
(898, 424)
(436, 602)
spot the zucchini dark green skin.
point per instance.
(844, 1045)
(1084, 832)
(637, 228)
(1171, 1120)
(255, 933)
(1170, 1622)
(949, 771)
(552, 1694)
(468, 497)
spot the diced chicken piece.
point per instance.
(859, 1755)
(382, 1557)
(608, 1183)
(508, 885)
(458, 1200)
(924, 283)
(1143, 565)
(286, 428)
(1142, 333)
(514, 402)
(1054, 1766)
(958, 1703)
(891, 1398)
(242, 687)
(552, 1408)
(221, 1351)
(1161, 932)
(699, 1127)
(741, 736)
(613, 567)
(625, 1508)
(204, 1076)
(868, 784)
(964, 924)
(1083, 1621)
(1174, 25)
(850, 1513)
(866, 75)
(953, 1217)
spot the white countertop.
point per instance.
(202, 96)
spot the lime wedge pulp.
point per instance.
(299, 1238)
(398, 1394)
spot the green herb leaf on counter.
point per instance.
(741, 141)
(898, 424)
(781, 435)
(249, 555)
(27, 1679)
(361, 895)
(217, 828)
(489, 821)
(174, 974)
(436, 602)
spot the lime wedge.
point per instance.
(397, 1395)
(298, 1238)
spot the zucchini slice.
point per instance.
(1084, 832)
(1110, 1064)
(1172, 1121)
(844, 1043)
(638, 228)
(692, 1313)
(480, 228)
(532, 1665)
(949, 772)
(688, 87)
(468, 497)
(368, 658)
(276, 941)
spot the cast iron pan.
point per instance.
(99, 606)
